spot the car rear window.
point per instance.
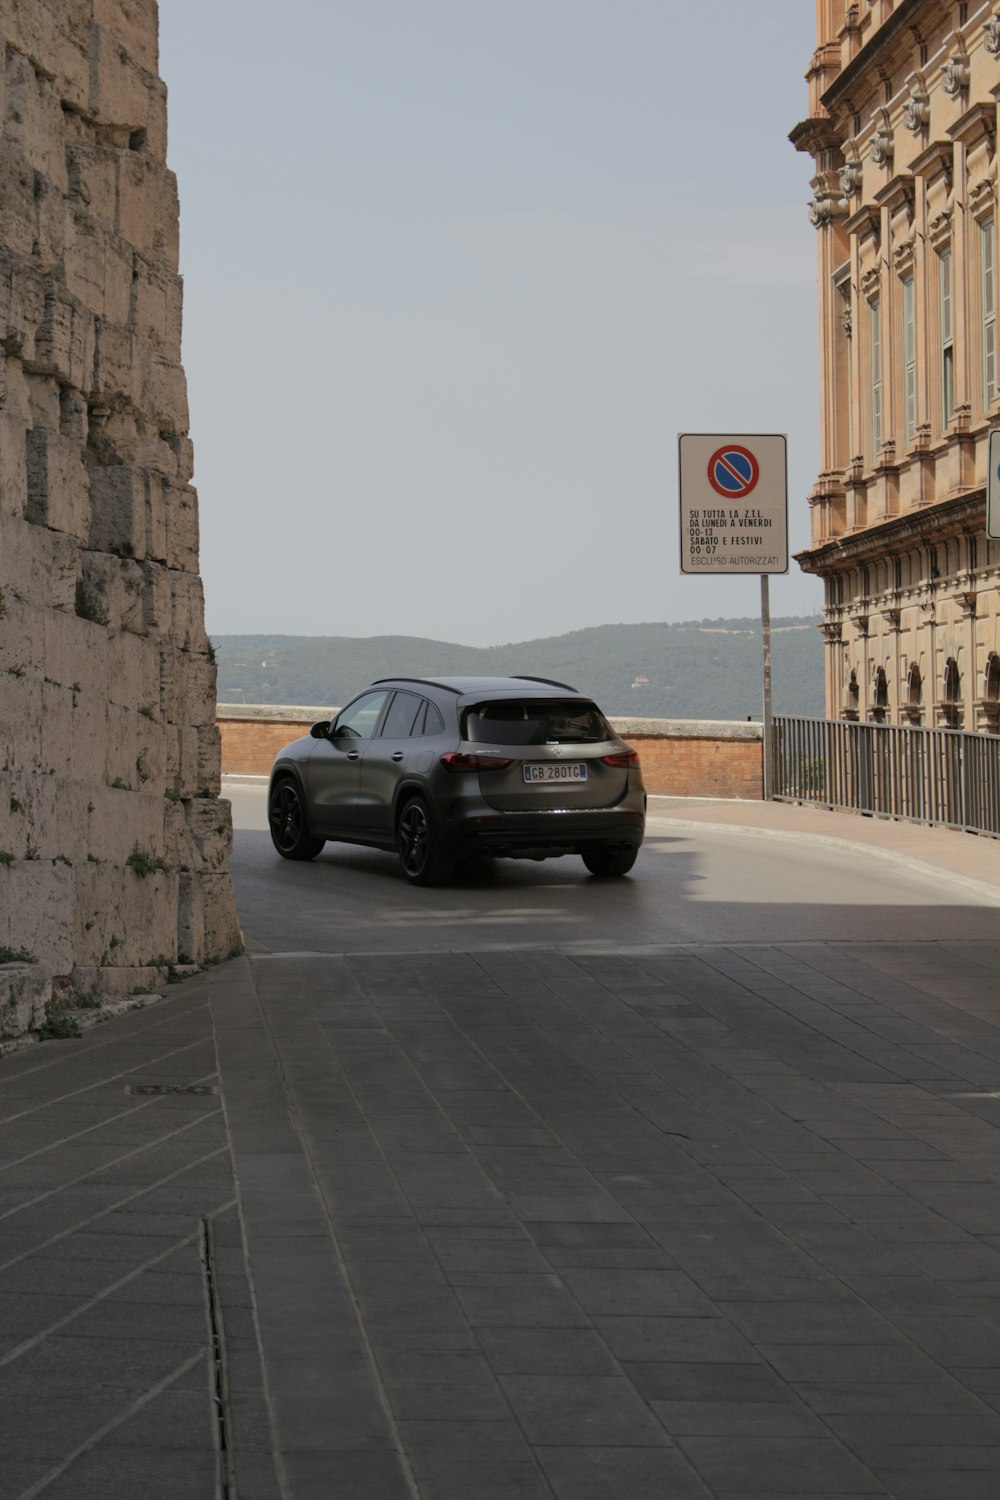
(517, 721)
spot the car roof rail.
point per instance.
(422, 682)
(546, 682)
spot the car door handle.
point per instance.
(398, 754)
(353, 755)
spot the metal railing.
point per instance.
(944, 776)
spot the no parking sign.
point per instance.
(734, 503)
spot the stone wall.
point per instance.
(113, 839)
(680, 757)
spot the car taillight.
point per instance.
(628, 758)
(457, 760)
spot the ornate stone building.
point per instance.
(903, 100)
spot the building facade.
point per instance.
(902, 127)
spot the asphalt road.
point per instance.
(688, 886)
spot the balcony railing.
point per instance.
(943, 776)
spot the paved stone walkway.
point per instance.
(709, 1222)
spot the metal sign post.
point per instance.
(734, 519)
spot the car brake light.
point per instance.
(628, 758)
(457, 760)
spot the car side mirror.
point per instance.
(321, 731)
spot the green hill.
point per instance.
(708, 669)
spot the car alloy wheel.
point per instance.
(286, 818)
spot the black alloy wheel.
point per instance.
(287, 821)
(419, 847)
(608, 862)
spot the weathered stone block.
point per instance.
(191, 918)
(114, 589)
(24, 993)
(64, 343)
(133, 23)
(75, 653)
(21, 724)
(120, 820)
(56, 36)
(13, 465)
(34, 119)
(181, 742)
(36, 907)
(121, 748)
(118, 509)
(151, 754)
(162, 391)
(37, 564)
(28, 818)
(89, 731)
(22, 287)
(98, 266)
(17, 206)
(134, 664)
(114, 357)
(57, 729)
(157, 599)
(147, 208)
(211, 823)
(58, 487)
(123, 94)
(158, 304)
(209, 760)
(187, 619)
(180, 849)
(21, 650)
(223, 938)
(181, 514)
(93, 179)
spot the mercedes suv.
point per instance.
(442, 769)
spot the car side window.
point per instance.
(358, 720)
(402, 715)
(433, 724)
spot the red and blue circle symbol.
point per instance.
(733, 472)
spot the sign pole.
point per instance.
(765, 632)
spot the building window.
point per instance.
(876, 360)
(988, 263)
(909, 360)
(947, 339)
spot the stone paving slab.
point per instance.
(690, 1222)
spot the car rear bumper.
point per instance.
(540, 835)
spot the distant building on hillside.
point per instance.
(902, 127)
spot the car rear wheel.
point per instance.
(419, 846)
(608, 862)
(286, 817)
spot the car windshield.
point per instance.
(520, 721)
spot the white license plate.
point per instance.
(555, 772)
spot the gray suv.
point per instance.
(443, 769)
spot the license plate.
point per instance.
(555, 772)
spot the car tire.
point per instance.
(607, 862)
(418, 845)
(286, 818)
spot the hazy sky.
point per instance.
(457, 273)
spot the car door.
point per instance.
(386, 758)
(334, 768)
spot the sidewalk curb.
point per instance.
(982, 888)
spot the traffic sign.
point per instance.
(993, 487)
(734, 503)
(733, 472)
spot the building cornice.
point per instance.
(816, 134)
(895, 533)
(901, 17)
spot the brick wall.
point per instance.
(680, 757)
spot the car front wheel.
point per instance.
(286, 818)
(609, 862)
(419, 846)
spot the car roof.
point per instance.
(464, 687)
